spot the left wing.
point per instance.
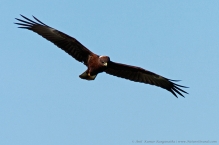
(60, 39)
(141, 75)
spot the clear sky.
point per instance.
(43, 101)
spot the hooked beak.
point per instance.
(105, 64)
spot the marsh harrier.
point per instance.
(98, 63)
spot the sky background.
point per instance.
(43, 101)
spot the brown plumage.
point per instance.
(96, 63)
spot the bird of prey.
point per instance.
(98, 63)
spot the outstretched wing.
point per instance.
(138, 74)
(63, 41)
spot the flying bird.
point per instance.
(98, 63)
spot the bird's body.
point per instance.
(96, 63)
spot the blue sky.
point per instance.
(43, 101)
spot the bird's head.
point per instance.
(104, 60)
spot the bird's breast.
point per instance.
(94, 66)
